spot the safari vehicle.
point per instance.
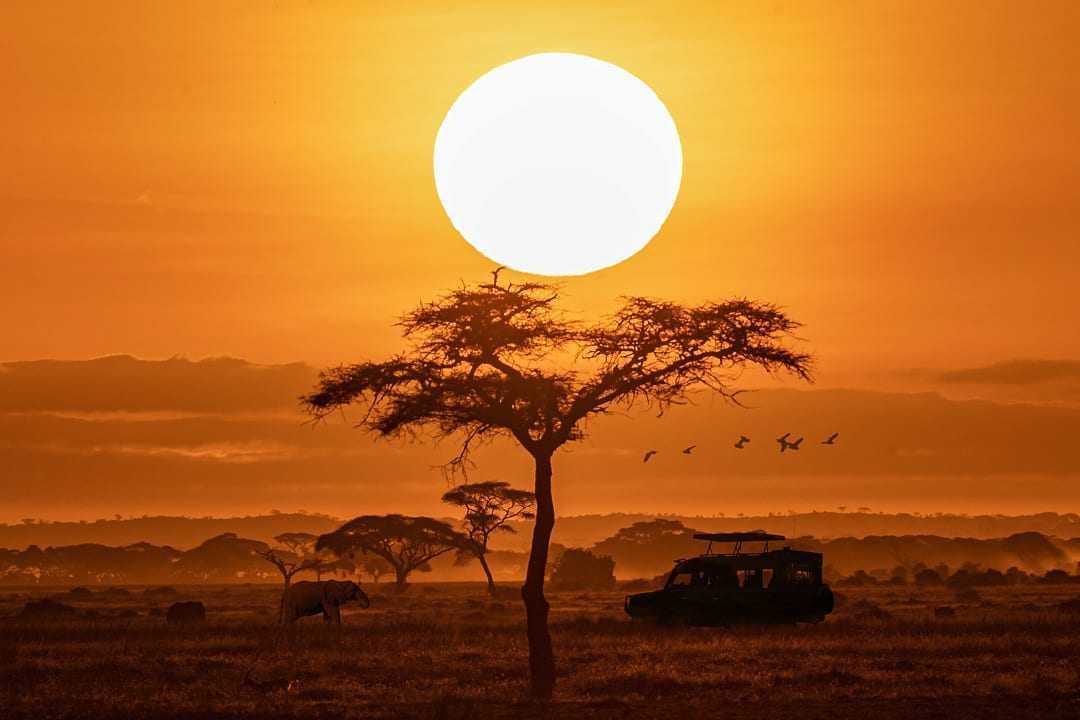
(770, 586)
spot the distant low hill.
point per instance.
(586, 530)
(571, 531)
(177, 532)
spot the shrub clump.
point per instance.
(46, 609)
(579, 569)
(928, 578)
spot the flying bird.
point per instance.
(687, 451)
(831, 440)
(786, 444)
(742, 441)
(648, 455)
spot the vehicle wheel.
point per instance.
(824, 601)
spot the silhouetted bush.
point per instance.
(928, 578)
(968, 578)
(80, 593)
(1016, 576)
(1057, 577)
(579, 569)
(46, 609)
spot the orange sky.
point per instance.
(254, 179)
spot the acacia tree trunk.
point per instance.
(487, 571)
(284, 594)
(541, 654)
(401, 576)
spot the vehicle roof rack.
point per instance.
(738, 538)
(753, 536)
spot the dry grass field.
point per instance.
(446, 651)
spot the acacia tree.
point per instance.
(491, 360)
(406, 543)
(489, 507)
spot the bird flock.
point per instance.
(784, 441)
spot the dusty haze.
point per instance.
(81, 440)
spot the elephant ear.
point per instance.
(332, 590)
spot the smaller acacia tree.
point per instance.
(489, 508)
(302, 544)
(406, 543)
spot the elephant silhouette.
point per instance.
(311, 598)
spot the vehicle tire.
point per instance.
(824, 601)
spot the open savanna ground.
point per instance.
(447, 651)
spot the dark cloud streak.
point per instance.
(123, 383)
(1016, 372)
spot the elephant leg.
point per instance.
(335, 615)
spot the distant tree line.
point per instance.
(378, 548)
(969, 576)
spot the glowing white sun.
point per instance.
(558, 164)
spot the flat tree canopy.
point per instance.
(490, 360)
(298, 542)
(406, 543)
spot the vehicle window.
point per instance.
(753, 579)
(682, 579)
